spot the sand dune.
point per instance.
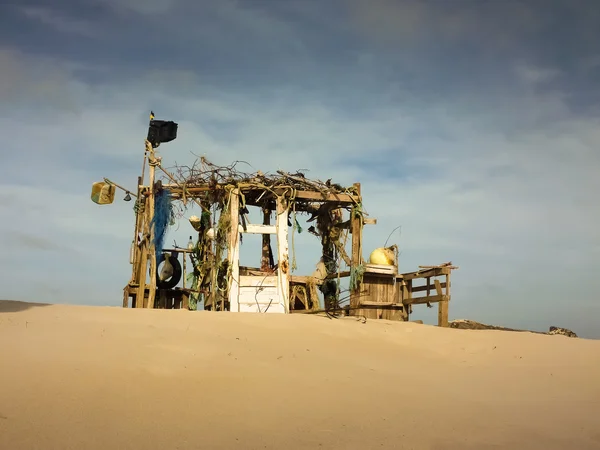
(76, 377)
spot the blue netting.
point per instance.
(163, 216)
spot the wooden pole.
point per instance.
(356, 226)
(152, 162)
(233, 252)
(443, 305)
(283, 263)
(142, 264)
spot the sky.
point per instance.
(472, 124)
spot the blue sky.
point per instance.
(473, 124)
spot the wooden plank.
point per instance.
(369, 221)
(257, 281)
(260, 229)
(380, 304)
(380, 269)
(233, 254)
(427, 287)
(438, 287)
(426, 273)
(301, 279)
(283, 262)
(425, 300)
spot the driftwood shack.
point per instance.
(206, 274)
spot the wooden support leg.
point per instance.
(233, 253)
(443, 313)
(126, 297)
(356, 226)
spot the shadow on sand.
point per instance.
(10, 306)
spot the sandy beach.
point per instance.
(81, 377)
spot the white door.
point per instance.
(262, 294)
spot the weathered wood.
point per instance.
(356, 226)
(425, 300)
(151, 246)
(258, 281)
(438, 287)
(380, 304)
(426, 273)
(443, 305)
(427, 288)
(233, 253)
(283, 264)
(302, 279)
(177, 190)
(443, 313)
(126, 297)
(265, 230)
(380, 269)
(143, 261)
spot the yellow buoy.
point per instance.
(383, 256)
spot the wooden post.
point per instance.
(184, 254)
(233, 287)
(151, 248)
(443, 305)
(136, 232)
(265, 259)
(283, 262)
(356, 226)
(143, 257)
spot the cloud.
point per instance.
(491, 166)
(56, 20)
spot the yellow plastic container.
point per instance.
(383, 256)
(103, 193)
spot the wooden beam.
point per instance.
(283, 263)
(427, 287)
(380, 304)
(316, 196)
(301, 279)
(438, 287)
(233, 254)
(426, 273)
(425, 300)
(370, 221)
(260, 229)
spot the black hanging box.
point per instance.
(161, 131)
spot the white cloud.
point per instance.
(516, 211)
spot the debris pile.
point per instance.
(464, 324)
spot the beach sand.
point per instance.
(81, 377)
